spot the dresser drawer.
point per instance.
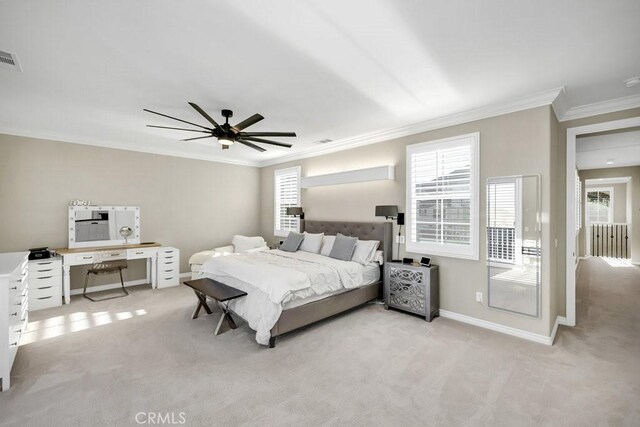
(407, 303)
(415, 277)
(141, 253)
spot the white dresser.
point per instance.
(45, 283)
(168, 267)
(14, 306)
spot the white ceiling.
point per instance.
(621, 148)
(325, 69)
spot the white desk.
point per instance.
(86, 256)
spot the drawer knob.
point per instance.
(14, 314)
(13, 344)
(14, 288)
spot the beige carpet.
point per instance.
(102, 363)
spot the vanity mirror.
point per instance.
(91, 226)
(513, 243)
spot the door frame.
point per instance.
(572, 134)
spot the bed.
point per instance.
(278, 299)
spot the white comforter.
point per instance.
(273, 278)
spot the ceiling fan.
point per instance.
(226, 134)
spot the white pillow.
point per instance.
(365, 251)
(311, 242)
(327, 245)
(244, 243)
(378, 257)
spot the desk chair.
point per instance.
(106, 268)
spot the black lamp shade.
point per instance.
(295, 211)
(387, 211)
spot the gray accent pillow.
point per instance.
(343, 247)
(292, 242)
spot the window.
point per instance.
(287, 194)
(599, 205)
(442, 197)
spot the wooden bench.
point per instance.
(217, 291)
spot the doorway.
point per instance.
(575, 196)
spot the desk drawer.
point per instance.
(141, 253)
(45, 265)
(166, 279)
(45, 301)
(106, 256)
(44, 273)
(80, 259)
(47, 285)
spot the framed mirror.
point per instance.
(513, 244)
(91, 226)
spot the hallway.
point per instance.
(605, 344)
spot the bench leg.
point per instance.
(272, 342)
(226, 315)
(202, 303)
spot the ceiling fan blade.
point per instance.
(278, 134)
(174, 118)
(205, 115)
(198, 137)
(248, 122)
(190, 130)
(248, 144)
(266, 141)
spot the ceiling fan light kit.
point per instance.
(227, 134)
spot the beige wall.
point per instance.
(561, 186)
(190, 204)
(517, 143)
(621, 193)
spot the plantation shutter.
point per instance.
(441, 197)
(287, 194)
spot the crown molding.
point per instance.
(603, 107)
(532, 101)
(52, 136)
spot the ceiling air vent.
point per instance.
(323, 141)
(9, 61)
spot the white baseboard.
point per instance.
(542, 339)
(117, 285)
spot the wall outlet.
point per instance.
(479, 296)
(399, 239)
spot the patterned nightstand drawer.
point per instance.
(409, 289)
(407, 303)
(412, 288)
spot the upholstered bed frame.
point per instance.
(307, 314)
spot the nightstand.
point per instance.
(412, 288)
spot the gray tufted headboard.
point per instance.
(363, 230)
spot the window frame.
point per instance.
(611, 215)
(472, 250)
(276, 203)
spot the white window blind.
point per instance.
(287, 194)
(599, 203)
(442, 197)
